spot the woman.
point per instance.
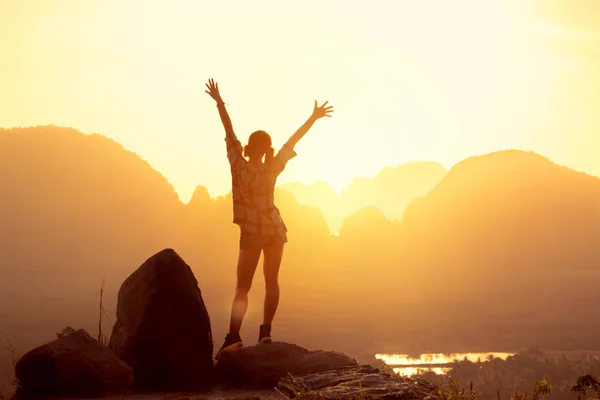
(254, 172)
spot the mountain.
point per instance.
(500, 253)
(321, 195)
(80, 194)
(508, 227)
(391, 190)
(75, 210)
(78, 210)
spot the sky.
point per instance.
(410, 81)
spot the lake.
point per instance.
(405, 365)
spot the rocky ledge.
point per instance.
(356, 382)
(264, 365)
(161, 346)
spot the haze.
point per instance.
(412, 81)
(451, 205)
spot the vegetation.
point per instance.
(102, 338)
(297, 390)
(584, 384)
(66, 331)
(8, 383)
(454, 392)
(553, 376)
(7, 374)
(540, 390)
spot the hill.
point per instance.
(80, 209)
(391, 190)
(509, 237)
(512, 216)
(497, 256)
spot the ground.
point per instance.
(215, 394)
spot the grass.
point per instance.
(454, 392)
(9, 388)
(501, 379)
(587, 387)
(298, 390)
(101, 337)
(540, 390)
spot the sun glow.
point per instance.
(427, 80)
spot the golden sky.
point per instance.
(410, 80)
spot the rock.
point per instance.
(263, 365)
(72, 365)
(357, 382)
(163, 329)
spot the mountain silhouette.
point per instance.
(65, 191)
(319, 194)
(510, 223)
(80, 209)
(391, 190)
(504, 244)
(501, 252)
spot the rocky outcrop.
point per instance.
(357, 382)
(72, 365)
(263, 365)
(163, 329)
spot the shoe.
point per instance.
(233, 341)
(264, 335)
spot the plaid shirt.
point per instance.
(253, 189)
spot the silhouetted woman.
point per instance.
(261, 225)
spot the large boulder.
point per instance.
(358, 382)
(72, 365)
(163, 329)
(264, 364)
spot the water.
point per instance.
(405, 365)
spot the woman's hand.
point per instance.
(319, 112)
(322, 111)
(213, 90)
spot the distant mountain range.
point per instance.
(499, 252)
(391, 190)
(512, 217)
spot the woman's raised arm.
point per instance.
(234, 147)
(318, 112)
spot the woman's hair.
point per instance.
(259, 144)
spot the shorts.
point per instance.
(253, 241)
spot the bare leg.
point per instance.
(272, 262)
(247, 262)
